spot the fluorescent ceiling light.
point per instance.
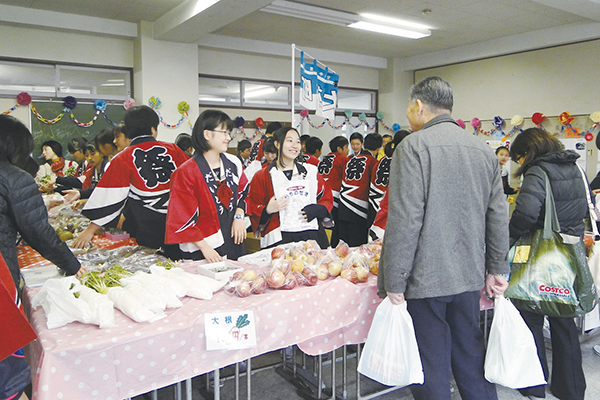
(342, 18)
(259, 92)
(312, 13)
(389, 30)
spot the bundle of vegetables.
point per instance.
(102, 281)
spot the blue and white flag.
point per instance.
(308, 83)
(327, 93)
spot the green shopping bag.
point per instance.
(549, 271)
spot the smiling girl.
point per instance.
(206, 209)
(288, 200)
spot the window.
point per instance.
(241, 93)
(54, 80)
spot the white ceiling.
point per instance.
(461, 29)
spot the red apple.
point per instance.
(311, 278)
(349, 274)
(236, 276)
(290, 282)
(277, 252)
(243, 289)
(275, 279)
(342, 250)
(374, 267)
(258, 285)
(311, 245)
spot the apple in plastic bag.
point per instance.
(310, 276)
(259, 285)
(298, 265)
(362, 273)
(277, 252)
(322, 272)
(335, 268)
(276, 279)
(349, 274)
(243, 289)
(290, 282)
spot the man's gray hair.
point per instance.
(434, 92)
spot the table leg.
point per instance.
(320, 378)
(154, 395)
(217, 388)
(344, 374)
(188, 389)
(358, 396)
(237, 381)
(248, 378)
(333, 360)
(178, 391)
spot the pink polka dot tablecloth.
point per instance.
(81, 361)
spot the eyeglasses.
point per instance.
(223, 132)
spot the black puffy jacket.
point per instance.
(22, 210)
(569, 193)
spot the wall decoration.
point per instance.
(182, 108)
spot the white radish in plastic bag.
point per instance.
(102, 309)
(131, 306)
(179, 287)
(153, 302)
(198, 286)
(391, 354)
(158, 286)
(511, 357)
(61, 306)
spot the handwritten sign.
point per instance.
(230, 330)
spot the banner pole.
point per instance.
(293, 80)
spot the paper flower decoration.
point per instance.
(595, 116)
(396, 127)
(537, 118)
(461, 123)
(516, 120)
(497, 122)
(379, 115)
(239, 122)
(589, 137)
(304, 113)
(259, 122)
(476, 123)
(348, 113)
(23, 99)
(100, 105)
(154, 102)
(362, 117)
(128, 103)
(183, 107)
(565, 118)
(70, 102)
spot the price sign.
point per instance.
(230, 330)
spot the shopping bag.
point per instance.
(511, 358)
(391, 355)
(594, 263)
(549, 272)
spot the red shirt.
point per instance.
(354, 194)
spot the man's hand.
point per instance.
(85, 237)
(495, 285)
(396, 298)
(71, 195)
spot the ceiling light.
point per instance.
(342, 18)
(312, 13)
(259, 92)
(389, 30)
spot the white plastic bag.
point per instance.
(511, 359)
(101, 308)
(391, 355)
(131, 306)
(59, 303)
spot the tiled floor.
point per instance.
(269, 384)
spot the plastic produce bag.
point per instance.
(391, 355)
(60, 304)
(101, 308)
(156, 285)
(511, 359)
(132, 306)
(187, 284)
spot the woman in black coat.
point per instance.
(537, 152)
(22, 209)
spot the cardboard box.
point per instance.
(116, 236)
(220, 271)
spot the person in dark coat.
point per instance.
(22, 209)
(538, 152)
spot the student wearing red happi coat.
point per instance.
(207, 209)
(288, 201)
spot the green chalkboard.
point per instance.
(66, 128)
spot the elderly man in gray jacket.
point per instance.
(446, 237)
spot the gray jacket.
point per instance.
(448, 218)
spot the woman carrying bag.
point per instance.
(541, 155)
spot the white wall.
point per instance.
(40, 44)
(549, 81)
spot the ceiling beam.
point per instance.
(66, 22)
(284, 50)
(540, 39)
(584, 8)
(192, 19)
